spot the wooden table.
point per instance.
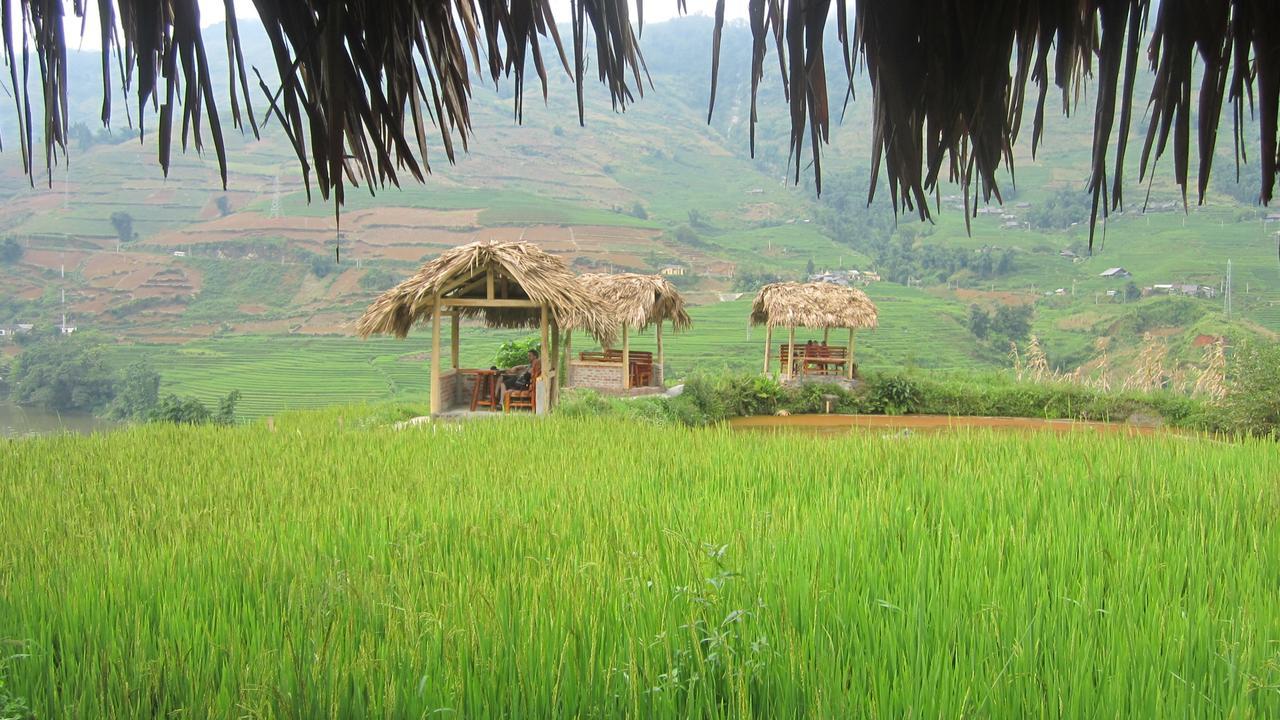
(484, 388)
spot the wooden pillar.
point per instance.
(768, 342)
(553, 393)
(791, 351)
(453, 338)
(626, 358)
(825, 334)
(544, 387)
(661, 375)
(436, 399)
(568, 357)
(849, 363)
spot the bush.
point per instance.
(10, 251)
(180, 411)
(1253, 399)
(893, 395)
(516, 352)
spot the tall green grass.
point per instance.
(336, 568)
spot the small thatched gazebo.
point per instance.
(812, 305)
(636, 302)
(505, 284)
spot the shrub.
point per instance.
(893, 395)
(1253, 398)
(516, 352)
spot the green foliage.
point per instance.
(10, 251)
(180, 411)
(226, 414)
(893, 394)
(1253, 398)
(12, 707)
(123, 224)
(1061, 210)
(516, 352)
(638, 211)
(323, 266)
(62, 374)
(137, 393)
(616, 569)
(376, 280)
(979, 322)
(224, 205)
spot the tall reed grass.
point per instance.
(595, 568)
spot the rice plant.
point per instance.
(330, 567)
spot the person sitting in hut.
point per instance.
(520, 377)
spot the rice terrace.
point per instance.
(780, 359)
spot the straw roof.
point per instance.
(522, 271)
(813, 305)
(639, 301)
(360, 82)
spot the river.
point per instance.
(19, 421)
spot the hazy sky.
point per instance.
(212, 11)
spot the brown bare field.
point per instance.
(345, 284)
(53, 259)
(985, 296)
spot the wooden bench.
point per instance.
(815, 359)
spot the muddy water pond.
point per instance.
(22, 421)
(842, 424)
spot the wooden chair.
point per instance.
(641, 373)
(521, 398)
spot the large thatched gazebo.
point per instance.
(503, 284)
(636, 302)
(816, 305)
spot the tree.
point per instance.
(224, 205)
(63, 373)
(322, 265)
(809, 268)
(1131, 292)
(1253, 397)
(227, 409)
(123, 223)
(638, 210)
(10, 251)
(1012, 321)
(181, 411)
(137, 392)
(979, 322)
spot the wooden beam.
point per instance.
(660, 379)
(848, 366)
(626, 358)
(435, 357)
(768, 342)
(791, 351)
(544, 388)
(458, 283)
(454, 345)
(481, 302)
(568, 357)
(554, 390)
(488, 282)
(826, 332)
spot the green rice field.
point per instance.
(330, 567)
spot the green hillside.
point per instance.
(242, 272)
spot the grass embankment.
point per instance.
(333, 568)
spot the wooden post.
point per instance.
(568, 357)
(553, 393)
(544, 388)
(849, 355)
(768, 342)
(791, 351)
(660, 378)
(453, 338)
(626, 358)
(825, 334)
(435, 358)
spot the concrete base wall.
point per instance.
(594, 375)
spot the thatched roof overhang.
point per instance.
(360, 82)
(518, 271)
(638, 301)
(813, 305)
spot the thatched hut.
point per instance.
(636, 302)
(502, 284)
(817, 305)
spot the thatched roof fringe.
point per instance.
(813, 305)
(639, 301)
(537, 275)
(356, 75)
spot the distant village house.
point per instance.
(1115, 273)
(673, 270)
